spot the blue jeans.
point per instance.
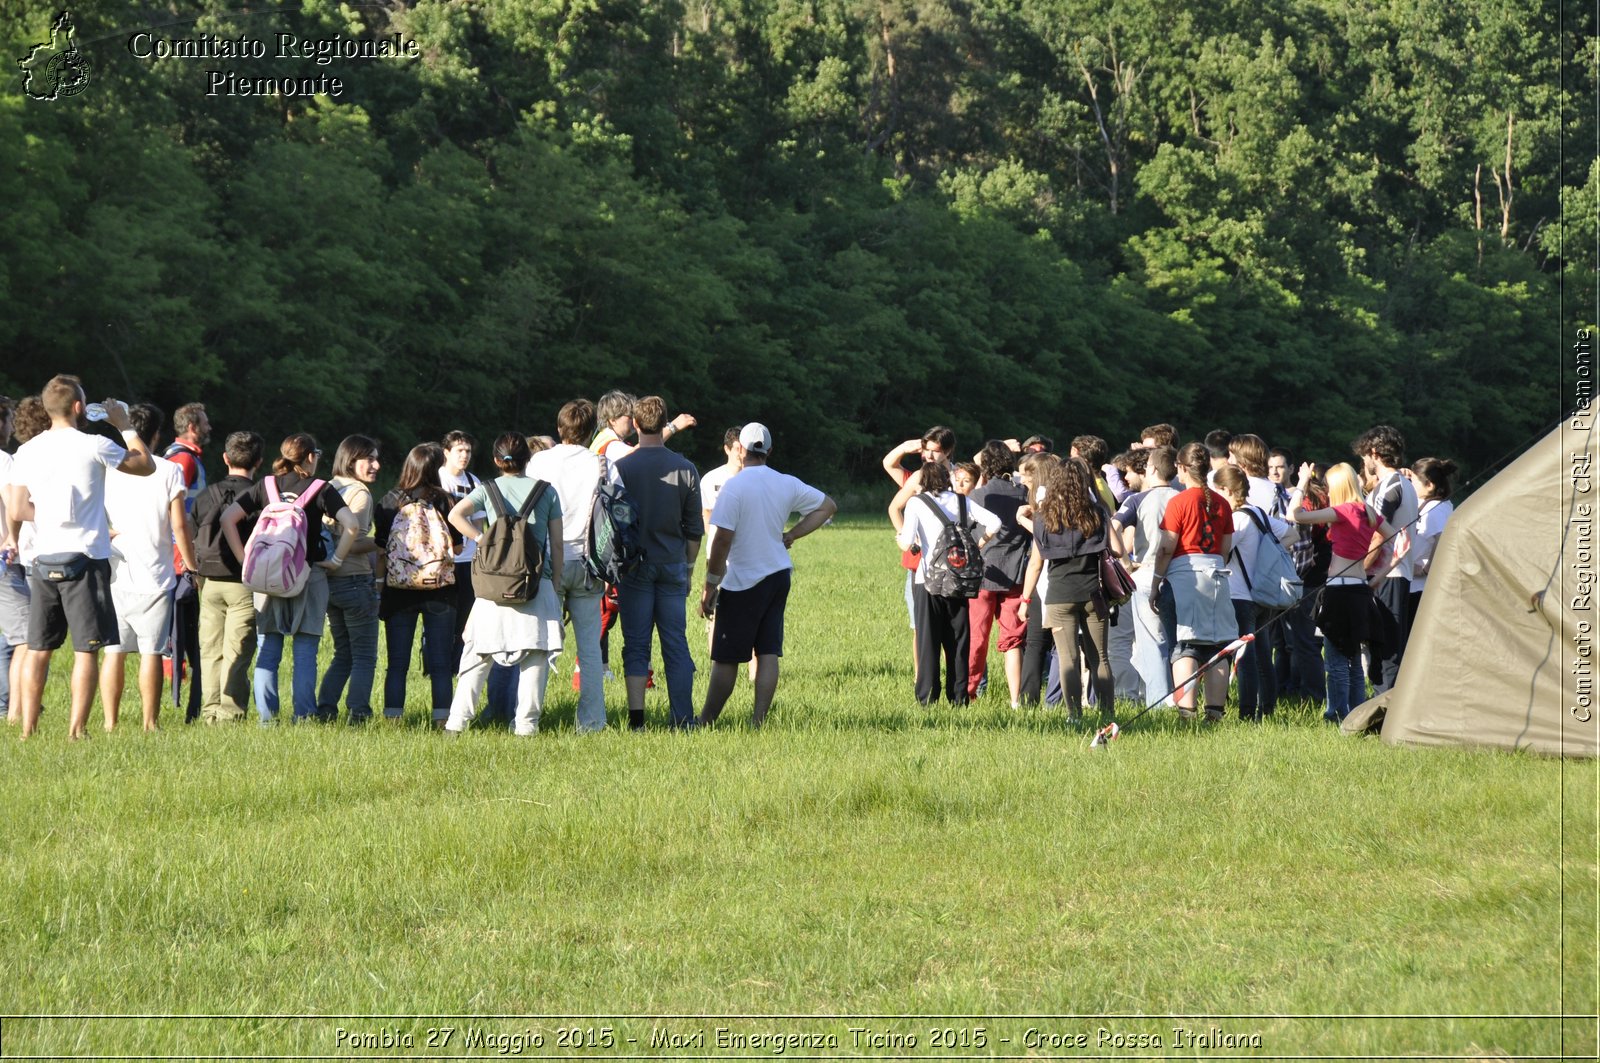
(1269, 637)
(353, 620)
(1347, 687)
(1258, 682)
(658, 595)
(1305, 650)
(1167, 610)
(438, 635)
(501, 706)
(580, 593)
(269, 651)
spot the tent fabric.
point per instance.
(1492, 652)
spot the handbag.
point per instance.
(61, 568)
(1115, 581)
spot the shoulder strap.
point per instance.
(309, 493)
(1258, 519)
(1244, 569)
(271, 483)
(526, 509)
(938, 510)
(961, 509)
(497, 501)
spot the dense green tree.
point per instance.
(848, 218)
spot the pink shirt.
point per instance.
(1351, 534)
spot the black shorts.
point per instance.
(84, 605)
(750, 621)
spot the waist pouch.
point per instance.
(61, 568)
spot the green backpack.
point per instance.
(509, 561)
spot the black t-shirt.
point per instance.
(1005, 558)
(209, 506)
(1074, 559)
(289, 488)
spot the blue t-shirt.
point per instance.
(516, 490)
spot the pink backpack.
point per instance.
(275, 557)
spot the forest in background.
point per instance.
(850, 219)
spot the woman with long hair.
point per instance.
(294, 477)
(353, 590)
(415, 586)
(1196, 535)
(1433, 478)
(1346, 600)
(1071, 529)
(522, 635)
(1037, 646)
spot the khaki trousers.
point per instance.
(227, 650)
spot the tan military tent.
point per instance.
(1503, 651)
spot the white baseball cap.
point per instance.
(755, 438)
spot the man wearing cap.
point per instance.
(747, 570)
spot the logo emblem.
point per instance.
(56, 68)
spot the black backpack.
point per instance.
(954, 565)
(212, 557)
(509, 562)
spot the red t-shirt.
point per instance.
(1186, 518)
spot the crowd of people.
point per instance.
(1095, 577)
(128, 549)
(1188, 525)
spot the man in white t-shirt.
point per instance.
(748, 568)
(456, 478)
(59, 483)
(574, 471)
(711, 485)
(148, 514)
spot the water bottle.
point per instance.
(97, 411)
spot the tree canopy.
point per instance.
(849, 219)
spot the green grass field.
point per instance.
(860, 858)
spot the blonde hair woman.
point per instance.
(1344, 611)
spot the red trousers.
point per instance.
(982, 612)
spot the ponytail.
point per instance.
(295, 454)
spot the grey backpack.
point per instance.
(1276, 584)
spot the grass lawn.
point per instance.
(1270, 892)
